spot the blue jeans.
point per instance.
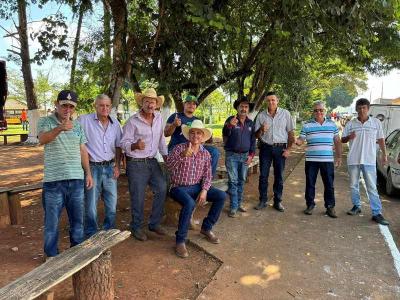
(56, 195)
(186, 196)
(237, 170)
(271, 155)
(140, 174)
(105, 184)
(369, 174)
(214, 157)
(327, 170)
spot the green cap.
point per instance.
(191, 98)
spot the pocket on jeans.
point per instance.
(52, 185)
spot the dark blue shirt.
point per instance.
(240, 138)
(177, 137)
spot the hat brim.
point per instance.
(207, 132)
(236, 105)
(61, 102)
(139, 99)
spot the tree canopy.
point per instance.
(305, 49)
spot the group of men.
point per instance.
(82, 161)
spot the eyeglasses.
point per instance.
(319, 110)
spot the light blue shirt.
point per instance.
(101, 141)
(320, 138)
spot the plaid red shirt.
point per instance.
(190, 170)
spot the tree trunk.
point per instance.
(76, 47)
(119, 13)
(95, 281)
(105, 81)
(27, 72)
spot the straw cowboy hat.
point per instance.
(241, 100)
(196, 124)
(149, 93)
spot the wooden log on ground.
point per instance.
(95, 281)
(14, 204)
(4, 209)
(57, 269)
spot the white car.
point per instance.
(391, 170)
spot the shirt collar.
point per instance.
(97, 118)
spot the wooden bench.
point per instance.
(89, 263)
(10, 203)
(22, 136)
(252, 169)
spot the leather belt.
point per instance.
(274, 144)
(102, 163)
(279, 145)
(144, 159)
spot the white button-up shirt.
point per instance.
(363, 146)
(279, 126)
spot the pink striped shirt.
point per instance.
(190, 170)
(153, 136)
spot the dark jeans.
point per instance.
(140, 174)
(327, 170)
(56, 195)
(186, 196)
(271, 155)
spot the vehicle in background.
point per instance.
(13, 116)
(388, 114)
(390, 172)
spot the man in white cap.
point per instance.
(63, 185)
(142, 137)
(190, 168)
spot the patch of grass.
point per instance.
(11, 129)
(216, 129)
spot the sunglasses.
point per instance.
(319, 110)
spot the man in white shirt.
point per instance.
(363, 133)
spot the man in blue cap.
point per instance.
(65, 162)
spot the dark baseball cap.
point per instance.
(67, 97)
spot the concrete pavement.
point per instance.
(272, 255)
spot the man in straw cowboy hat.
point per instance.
(142, 137)
(173, 128)
(240, 147)
(190, 169)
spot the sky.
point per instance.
(59, 70)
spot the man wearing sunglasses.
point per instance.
(321, 134)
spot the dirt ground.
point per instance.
(142, 270)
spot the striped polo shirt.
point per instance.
(319, 139)
(62, 156)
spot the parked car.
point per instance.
(391, 171)
(388, 114)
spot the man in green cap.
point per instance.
(173, 128)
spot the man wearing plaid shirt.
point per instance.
(190, 169)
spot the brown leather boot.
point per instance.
(210, 236)
(181, 251)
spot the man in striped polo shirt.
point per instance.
(321, 134)
(65, 160)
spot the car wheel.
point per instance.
(390, 189)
